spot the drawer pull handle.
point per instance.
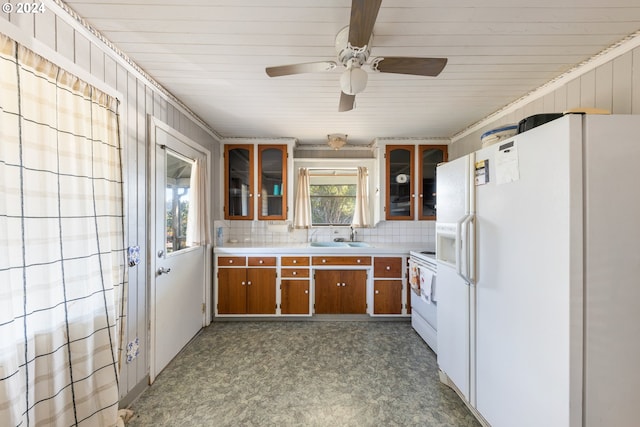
(358, 261)
(295, 273)
(261, 262)
(324, 260)
(230, 261)
(295, 261)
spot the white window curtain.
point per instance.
(62, 257)
(198, 217)
(302, 212)
(361, 214)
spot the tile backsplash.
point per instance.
(281, 232)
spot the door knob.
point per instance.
(163, 270)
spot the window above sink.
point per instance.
(333, 183)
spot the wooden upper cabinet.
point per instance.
(429, 156)
(238, 181)
(272, 182)
(400, 182)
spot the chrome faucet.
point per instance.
(313, 233)
(352, 235)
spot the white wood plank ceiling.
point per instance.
(212, 54)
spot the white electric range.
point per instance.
(423, 298)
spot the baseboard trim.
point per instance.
(135, 392)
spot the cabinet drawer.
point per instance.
(295, 272)
(261, 261)
(232, 260)
(387, 267)
(341, 260)
(295, 260)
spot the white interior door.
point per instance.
(178, 275)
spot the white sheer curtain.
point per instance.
(198, 218)
(302, 212)
(361, 214)
(62, 256)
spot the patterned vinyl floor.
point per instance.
(302, 374)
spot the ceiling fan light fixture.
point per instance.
(337, 140)
(353, 80)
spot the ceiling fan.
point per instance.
(353, 45)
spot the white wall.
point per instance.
(613, 85)
(63, 41)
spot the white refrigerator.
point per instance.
(538, 252)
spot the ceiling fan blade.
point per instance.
(346, 102)
(363, 17)
(308, 67)
(417, 66)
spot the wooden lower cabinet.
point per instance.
(246, 290)
(387, 297)
(295, 297)
(340, 291)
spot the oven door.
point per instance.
(424, 317)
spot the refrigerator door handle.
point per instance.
(469, 254)
(458, 246)
(462, 247)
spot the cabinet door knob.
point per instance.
(377, 292)
(388, 268)
(243, 283)
(249, 282)
(306, 291)
(344, 284)
(337, 284)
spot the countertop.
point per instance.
(248, 248)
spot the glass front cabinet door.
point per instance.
(400, 175)
(429, 157)
(272, 182)
(238, 181)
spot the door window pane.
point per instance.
(178, 179)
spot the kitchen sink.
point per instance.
(339, 244)
(329, 244)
